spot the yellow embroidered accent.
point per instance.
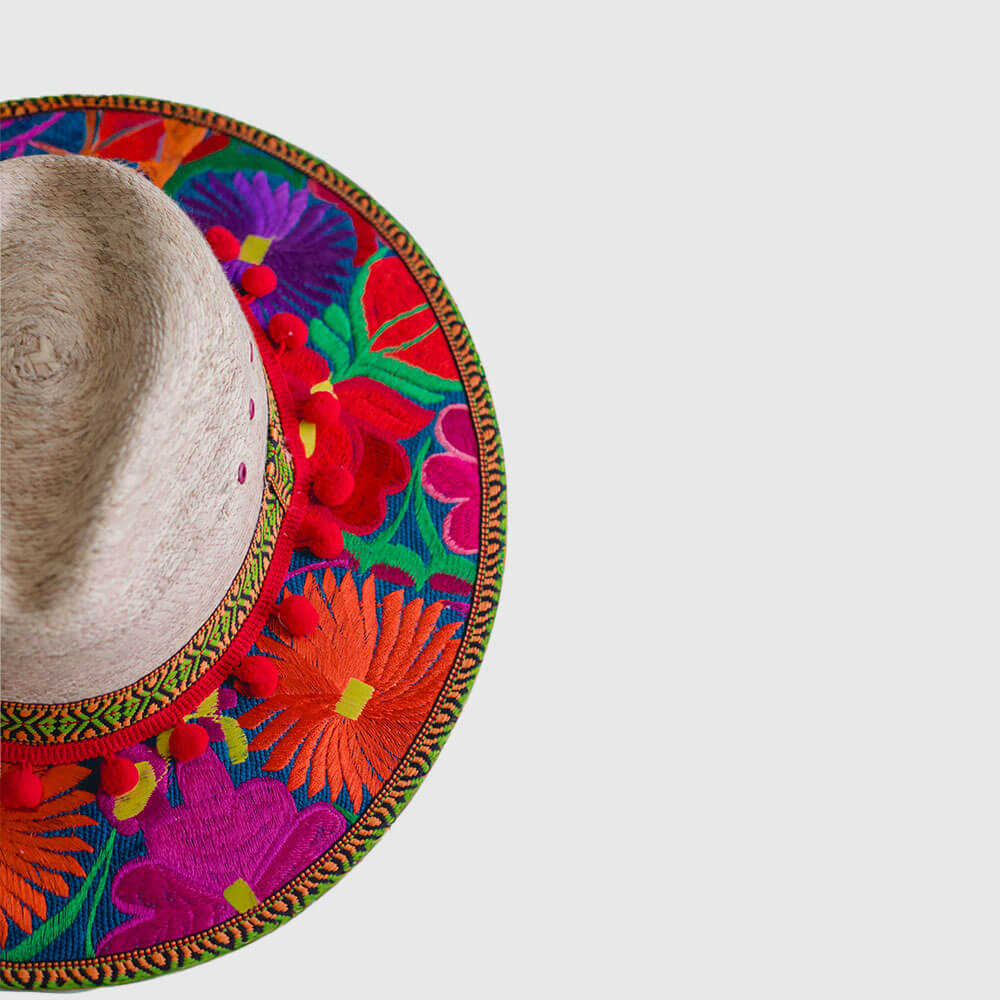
(132, 803)
(354, 698)
(307, 430)
(236, 739)
(240, 896)
(254, 249)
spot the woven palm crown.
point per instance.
(132, 470)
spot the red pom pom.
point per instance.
(298, 389)
(287, 330)
(187, 741)
(258, 280)
(320, 533)
(21, 788)
(321, 408)
(224, 245)
(119, 775)
(297, 615)
(333, 486)
(258, 676)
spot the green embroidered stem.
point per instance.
(405, 315)
(428, 532)
(355, 310)
(98, 894)
(54, 927)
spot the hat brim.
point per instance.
(208, 854)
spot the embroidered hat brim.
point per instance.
(385, 456)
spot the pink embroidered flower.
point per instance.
(453, 478)
(220, 853)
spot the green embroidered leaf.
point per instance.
(413, 382)
(376, 553)
(454, 565)
(409, 373)
(428, 530)
(234, 156)
(323, 339)
(336, 319)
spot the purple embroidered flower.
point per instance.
(309, 244)
(220, 853)
(454, 478)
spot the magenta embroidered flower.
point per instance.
(309, 244)
(453, 478)
(220, 853)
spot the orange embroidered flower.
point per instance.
(31, 858)
(352, 695)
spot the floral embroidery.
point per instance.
(388, 332)
(35, 854)
(352, 695)
(220, 728)
(221, 852)
(365, 440)
(308, 244)
(157, 146)
(373, 420)
(454, 478)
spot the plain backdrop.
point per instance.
(732, 272)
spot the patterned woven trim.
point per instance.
(400, 786)
(36, 732)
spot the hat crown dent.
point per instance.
(127, 374)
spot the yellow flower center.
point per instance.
(254, 249)
(354, 698)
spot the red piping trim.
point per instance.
(192, 697)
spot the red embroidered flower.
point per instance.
(157, 145)
(364, 441)
(353, 694)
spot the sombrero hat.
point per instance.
(253, 528)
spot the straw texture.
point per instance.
(127, 375)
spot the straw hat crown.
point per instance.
(134, 423)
